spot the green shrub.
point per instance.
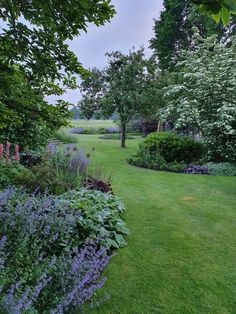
(9, 171)
(166, 151)
(173, 148)
(101, 131)
(65, 138)
(89, 131)
(156, 162)
(221, 169)
(178, 167)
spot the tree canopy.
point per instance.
(125, 86)
(25, 117)
(36, 61)
(35, 34)
(202, 95)
(173, 31)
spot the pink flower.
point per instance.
(8, 151)
(1, 151)
(16, 155)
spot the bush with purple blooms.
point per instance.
(196, 169)
(112, 130)
(53, 249)
(77, 131)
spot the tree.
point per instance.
(125, 86)
(173, 31)
(35, 34)
(202, 95)
(35, 61)
(25, 117)
(218, 9)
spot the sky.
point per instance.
(132, 26)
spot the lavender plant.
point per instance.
(196, 169)
(48, 265)
(65, 284)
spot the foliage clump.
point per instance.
(221, 169)
(167, 151)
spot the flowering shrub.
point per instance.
(196, 169)
(202, 95)
(47, 264)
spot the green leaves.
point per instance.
(173, 30)
(25, 117)
(225, 16)
(35, 36)
(100, 217)
(220, 10)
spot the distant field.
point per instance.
(81, 123)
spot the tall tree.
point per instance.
(125, 86)
(173, 30)
(35, 60)
(35, 34)
(202, 95)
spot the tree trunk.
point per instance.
(123, 134)
(160, 126)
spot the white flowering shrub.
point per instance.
(202, 94)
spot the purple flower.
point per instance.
(76, 131)
(196, 169)
(113, 130)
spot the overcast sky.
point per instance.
(132, 26)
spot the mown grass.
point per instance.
(83, 123)
(181, 251)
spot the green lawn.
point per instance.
(83, 123)
(181, 253)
